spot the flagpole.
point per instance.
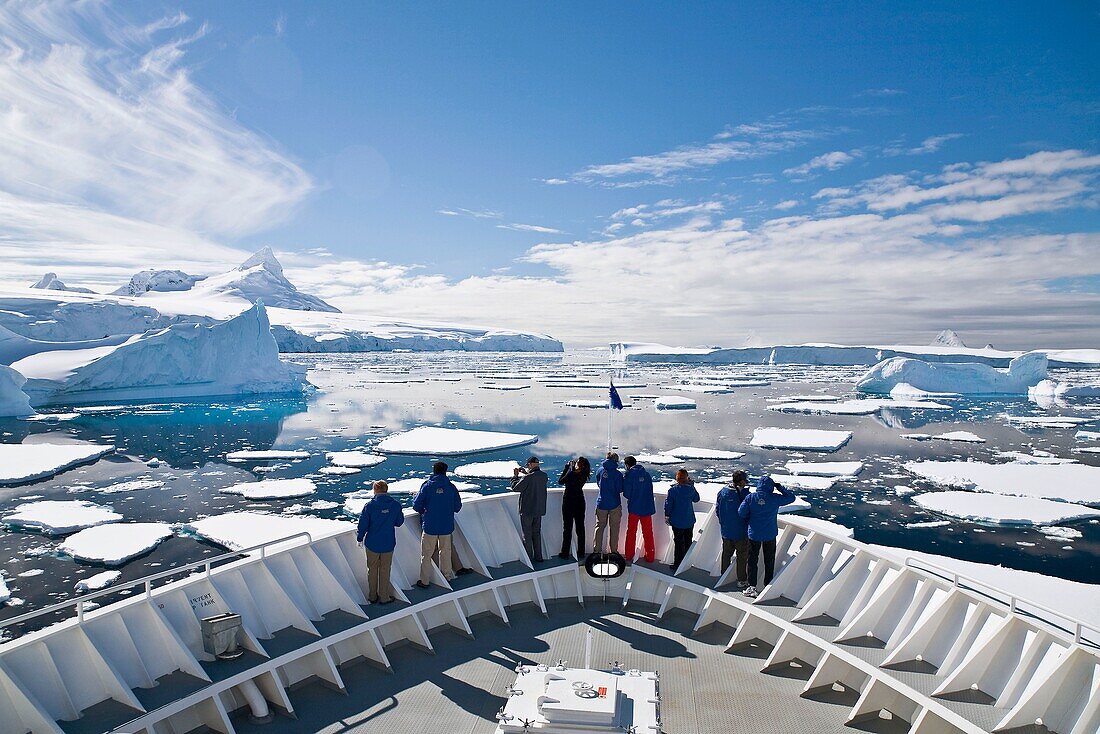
(610, 411)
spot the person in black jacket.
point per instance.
(573, 478)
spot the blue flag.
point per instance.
(616, 401)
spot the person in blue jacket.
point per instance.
(761, 510)
(609, 503)
(680, 514)
(638, 490)
(437, 502)
(735, 529)
(378, 523)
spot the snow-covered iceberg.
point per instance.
(234, 357)
(966, 378)
(50, 282)
(840, 354)
(13, 401)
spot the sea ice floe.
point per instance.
(1064, 482)
(237, 530)
(917, 436)
(132, 485)
(356, 459)
(437, 441)
(806, 439)
(928, 524)
(1037, 458)
(805, 482)
(581, 403)
(114, 544)
(963, 436)
(704, 389)
(58, 517)
(658, 459)
(674, 402)
(1003, 510)
(338, 470)
(501, 386)
(1061, 533)
(825, 468)
(27, 462)
(272, 489)
(693, 452)
(1039, 421)
(487, 470)
(5, 593)
(265, 455)
(833, 528)
(97, 582)
(1087, 435)
(865, 406)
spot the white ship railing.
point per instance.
(147, 581)
(960, 580)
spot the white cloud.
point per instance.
(471, 213)
(529, 228)
(928, 145)
(103, 136)
(742, 142)
(786, 204)
(852, 274)
(826, 161)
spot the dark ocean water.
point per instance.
(361, 398)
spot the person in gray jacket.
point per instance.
(530, 482)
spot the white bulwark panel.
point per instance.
(139, 665)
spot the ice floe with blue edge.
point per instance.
(27, 462)
(114, 544)
(60, 517)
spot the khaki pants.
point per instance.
(614, 518)
(429, 544)
(378, 576)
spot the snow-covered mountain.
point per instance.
(260, 278)
(162, 281)
(50, 282)
(37, 320)
(948, 338)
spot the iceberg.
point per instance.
(97, 582)
(824, 468)
(239, 530)
(436, 441)
(1050, 390)
(806, 439)
(1063, 482)
(28, 462)
(693, 452)
(354, 459)
(234, 357)
(840, 355)
(272, 489)
(14, 403)
(60, 517)
(113, 545)
(1003, 510)
(964, 378)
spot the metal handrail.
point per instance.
(148, 580)
(1013, 602)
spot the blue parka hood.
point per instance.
(437, 502)
(610, 481)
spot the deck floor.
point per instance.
(459, 688)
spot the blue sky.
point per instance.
(687, 173)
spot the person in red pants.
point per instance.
(638, 490)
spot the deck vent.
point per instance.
(219, 635)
